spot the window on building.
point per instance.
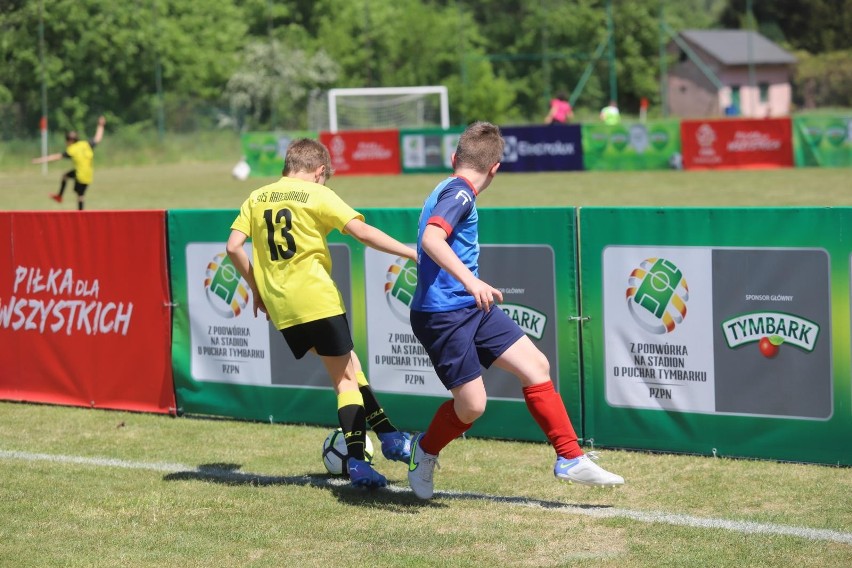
(764, 92)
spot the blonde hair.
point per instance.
(480, 147)
(306, 155)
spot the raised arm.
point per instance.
(378, 239)
(99, 133)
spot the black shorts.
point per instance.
(79, 188)
(330, 337)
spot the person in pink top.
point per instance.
(560, 111)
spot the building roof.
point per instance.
(731, 47)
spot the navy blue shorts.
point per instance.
(330, 336)
(461, 342)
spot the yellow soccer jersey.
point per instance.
(288, 222)
(83, 156)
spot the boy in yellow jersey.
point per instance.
(83, 155)
(290, 279)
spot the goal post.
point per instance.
(390, 107)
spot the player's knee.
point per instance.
(469, 411)
(542, 364)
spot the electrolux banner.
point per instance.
(542, 148)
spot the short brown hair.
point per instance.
(306, 155)
(480, 147)
(71, 136)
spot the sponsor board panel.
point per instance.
(428, 150)
(227, 362)
(649, 146)
(742, 143)
(747, 312)
(542, 148)
(359, 152)
(264, 151)
(398, 363)
(83, 308)
(822, 141)
(530, 255)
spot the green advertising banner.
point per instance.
(229, 363)
(264, 151)
(822, 141)
(428, 150)
(731, 338)
(649, 146)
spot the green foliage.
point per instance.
(270, 88)
(815, 26)
(258, 63)
(823, 80)
(102, 57)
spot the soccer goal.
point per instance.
(388, 107)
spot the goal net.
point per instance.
(388, 107)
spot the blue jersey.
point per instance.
(451, 206)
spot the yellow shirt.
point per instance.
(83, 156)
(288, 222)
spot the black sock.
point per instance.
(376, 417)
(354, 425)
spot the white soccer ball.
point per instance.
(335, 455)
(241, 171)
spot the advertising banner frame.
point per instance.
(552, 228)
(816, 439)
(86, 310)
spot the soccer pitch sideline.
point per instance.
(86, 487)
(209, 185)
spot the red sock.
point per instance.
(445, 427)
(549, 412)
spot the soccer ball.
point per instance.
(335, 455)
(241, 171)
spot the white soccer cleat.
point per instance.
(421, 469)
(584, 471)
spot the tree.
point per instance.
(100, 56)
(816, 26)
(272, 84)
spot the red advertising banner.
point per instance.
(363, 151)
(85, 315)
(726, 144)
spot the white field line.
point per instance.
(222, 474)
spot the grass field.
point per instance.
(88, 487)
(203, 185)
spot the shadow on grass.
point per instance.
(393, 497)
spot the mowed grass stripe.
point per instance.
(180, 471)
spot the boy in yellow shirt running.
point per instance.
(290, 279)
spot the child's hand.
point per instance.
(259, 306)
(485, 295)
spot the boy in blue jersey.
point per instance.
(453, 316)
